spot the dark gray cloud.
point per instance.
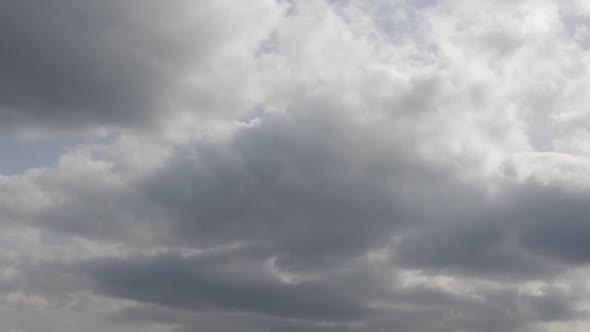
(283, 197)
(533, 231)
(193, 284)
(311, 190)
(177, 288)
(316, 195)
(68, 65)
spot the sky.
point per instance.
(295, 165)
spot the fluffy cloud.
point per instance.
(298, 166)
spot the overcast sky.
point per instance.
(295, 166)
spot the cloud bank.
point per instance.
(282, 166)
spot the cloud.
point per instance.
(235, 285)
(69, 66)
(297, 166)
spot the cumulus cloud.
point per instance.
(297, 166)
(70, 66)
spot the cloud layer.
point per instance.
(297, 166)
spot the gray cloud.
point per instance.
(215, 287)
(244, 192)
(535, 230)
(305, 169)
(192, 284)
(67, 65)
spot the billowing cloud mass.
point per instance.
(307, 165)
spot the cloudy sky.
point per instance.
(295, 166)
